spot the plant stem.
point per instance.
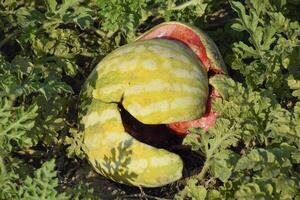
(183, 6)
(31, 153)
(2, 166)
(210, 154)
(204, 170)
(99, 32)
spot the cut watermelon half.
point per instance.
(207, 52)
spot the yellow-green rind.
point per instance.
(118, 156)
(212, 51)
(158, 81)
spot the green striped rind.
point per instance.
(158, 81)
(212, 50)
(120, 157)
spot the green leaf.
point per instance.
(196, 192)
(51, 5)
(16, 124)
(267, 159)
(42, 185)
(75, 143)
(66, 4)
(238, 27)
(249, 191)
(193, 191)
(193, 139)
(82, 17)
(255, 160)
(247, 51)
(294, 85)
(296, 156)
(240, 9)
(123, 16)
(268, 37)
(222, 165)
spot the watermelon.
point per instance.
(160, 80)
